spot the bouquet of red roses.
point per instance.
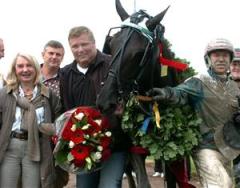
(82, 140)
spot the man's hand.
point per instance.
(158, 94)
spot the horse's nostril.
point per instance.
(106, 108)
(100, 107)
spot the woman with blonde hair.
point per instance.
(27, 110)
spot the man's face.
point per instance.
(53, 57)
(235, 70)
(1, 49)
(83, 49)
(220, 60)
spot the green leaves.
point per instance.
(177, 136)
(61, 157)
(140, 118)
(70, 157)
(89, 163)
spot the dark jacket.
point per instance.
(78, 89)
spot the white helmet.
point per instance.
(218, 44)
(236, 54)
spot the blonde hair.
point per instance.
(12, 79)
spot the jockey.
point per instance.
(213, 96)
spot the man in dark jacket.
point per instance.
(80, 83)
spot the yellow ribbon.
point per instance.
(157, 114)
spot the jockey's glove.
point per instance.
(160, 94)
(236, 118)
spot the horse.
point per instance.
(135, 49)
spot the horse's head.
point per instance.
(135, 49)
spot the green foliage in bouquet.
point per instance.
(177, 136)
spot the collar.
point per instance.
(21, 92)
(54, 76)
(43, 89)
(99, 59)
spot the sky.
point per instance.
(26, 25)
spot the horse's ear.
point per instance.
(121, 11)
(151, 23)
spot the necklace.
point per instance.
(28, 95)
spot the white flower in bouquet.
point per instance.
(100, 148)
(74, 127)
(98, 121)
(79, 116)
(98, 155)
(108, 134)
(85, 127)
(71, 144)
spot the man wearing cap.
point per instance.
(213, 97)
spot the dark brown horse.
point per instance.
(134, 68)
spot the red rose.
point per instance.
(79, 163)
(89, 112)
(105, 142)
(105, 123)
(67, 134)
(77, 136)
(93, 128)
(80, 152)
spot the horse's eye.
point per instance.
(139, 55)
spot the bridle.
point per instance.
(150, 54)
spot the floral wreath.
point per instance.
(173, 137)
